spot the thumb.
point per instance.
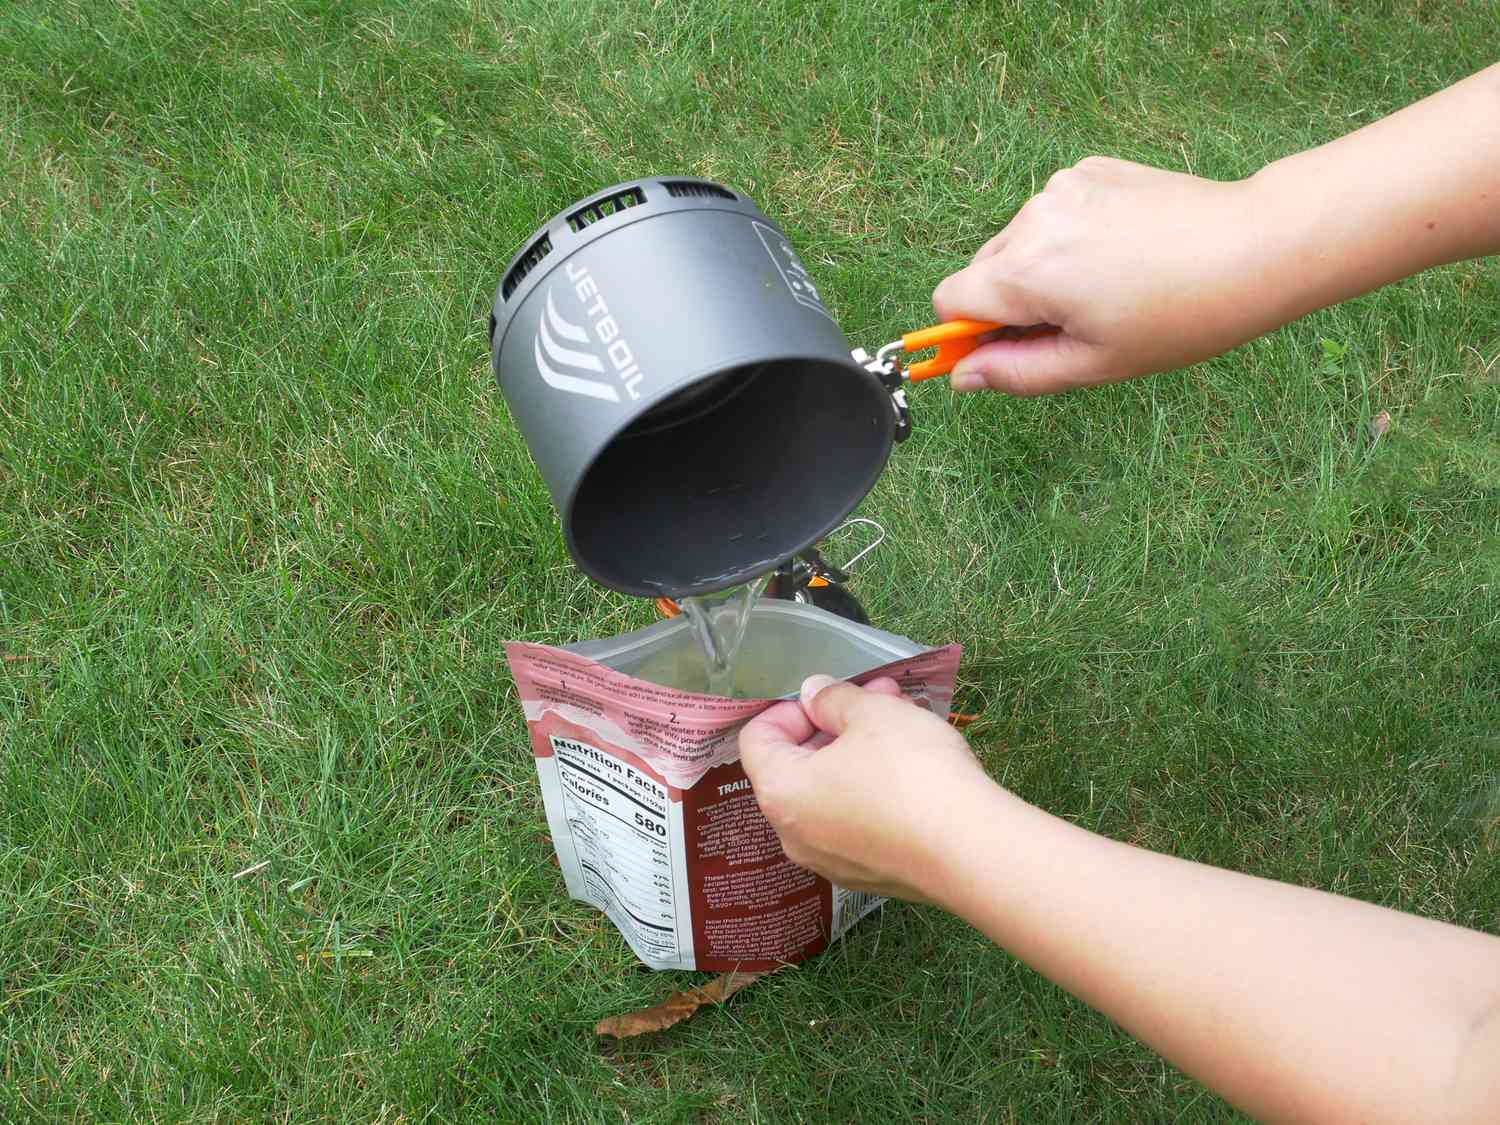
(833, 705)
(772, 739)
(1034, 365)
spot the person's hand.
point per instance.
(872, 808)
(1142, 270)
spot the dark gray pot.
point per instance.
(691, 404)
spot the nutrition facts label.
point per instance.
(621, 831)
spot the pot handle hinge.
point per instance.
(888, 370)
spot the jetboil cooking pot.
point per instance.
(690, 401)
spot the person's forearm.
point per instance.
(1292, 1003)
(1416, 189)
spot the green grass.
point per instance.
(264, 526)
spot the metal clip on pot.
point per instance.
(953, 339)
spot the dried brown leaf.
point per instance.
(676, 1007)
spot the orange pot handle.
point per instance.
(953, 339)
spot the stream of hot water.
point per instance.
(719, 621)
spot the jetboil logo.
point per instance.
(602, 336)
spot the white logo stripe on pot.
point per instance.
(564, 329)
(566, 356)
(571, 383)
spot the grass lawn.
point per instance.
(271, 846)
